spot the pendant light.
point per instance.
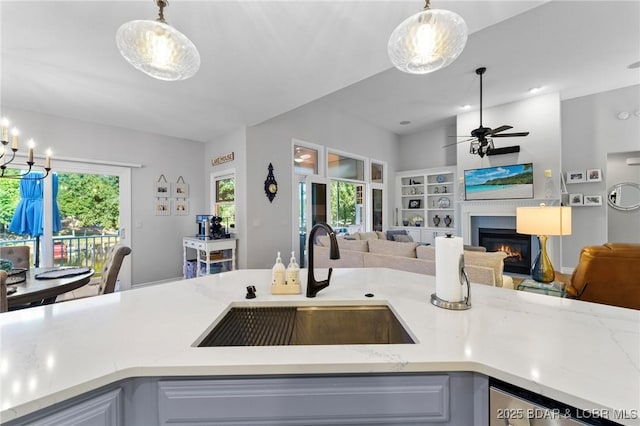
(158, 49)
(427, 41)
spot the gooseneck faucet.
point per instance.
(313, 286)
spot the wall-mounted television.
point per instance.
(499, 183)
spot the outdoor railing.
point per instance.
(87, 250)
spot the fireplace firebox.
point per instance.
(517, 246)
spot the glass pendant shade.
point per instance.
(158, 50)
(427, 41)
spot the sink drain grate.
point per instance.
(263, 326)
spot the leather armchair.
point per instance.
(608, 274)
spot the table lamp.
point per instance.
(543, 221)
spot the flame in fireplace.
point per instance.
(513, 255)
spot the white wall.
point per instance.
(540, 116)
(425, 150)
(590, 130)
(269, 225)
(623, 225)
(156, 241)
(235, 142)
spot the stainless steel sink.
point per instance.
(307, 325)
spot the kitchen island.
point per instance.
(581, 354)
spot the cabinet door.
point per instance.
(101, 410)
(388, 400)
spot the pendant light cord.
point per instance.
(161, 5)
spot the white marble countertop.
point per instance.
(582, 354)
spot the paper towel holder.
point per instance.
(456, 306)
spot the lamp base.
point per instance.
(542, 270)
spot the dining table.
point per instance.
(41, 286)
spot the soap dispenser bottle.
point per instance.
(293, 271)
(278, 272)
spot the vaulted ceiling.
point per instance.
(263, 58)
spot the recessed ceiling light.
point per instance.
(467, 106)
(623, 115)
(305, 156)
(534, 90)
(405, 122)
(298, 160)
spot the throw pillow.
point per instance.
(368, 235)
(403, 238)
(393, 248)
(353, 245)
(392, 232)
(343, 243)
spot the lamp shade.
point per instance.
(427, 41)
(158, 50)
(543, 220)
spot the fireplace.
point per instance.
(517, 246)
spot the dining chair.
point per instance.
(4, 304)
(111, 268)
(19, 255)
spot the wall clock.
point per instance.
(270, 185)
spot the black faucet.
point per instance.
(313, 286)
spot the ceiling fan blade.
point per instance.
(511, 135)
(457, 143)
(500, 129)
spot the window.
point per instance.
(343, 167)
(305, 160)
(224, 204)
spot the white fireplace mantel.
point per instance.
(469, 209)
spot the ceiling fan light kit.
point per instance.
(158, 49)
(427, 41)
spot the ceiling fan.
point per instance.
(482, 137)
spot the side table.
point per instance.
(555, 288)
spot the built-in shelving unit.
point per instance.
(426, 202)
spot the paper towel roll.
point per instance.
(448, 252)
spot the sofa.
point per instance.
(375, 250)
(608, 274)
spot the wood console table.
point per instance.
(210, 256)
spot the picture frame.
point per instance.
(180, 207)
(576, 176)
(415, 204)
(594, 175)
(162, 207)
(592, 200)
(180, 190)
(161, 189)
(575, 199)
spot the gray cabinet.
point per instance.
(454, 399)
(104, 409)
(418, 399)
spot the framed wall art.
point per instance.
(163, 207)
(592, 200)
(162, 188)
(180, 207)
(180, 188)
(576, 176)
(575, 199)
(594, 175)
(415, 204)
